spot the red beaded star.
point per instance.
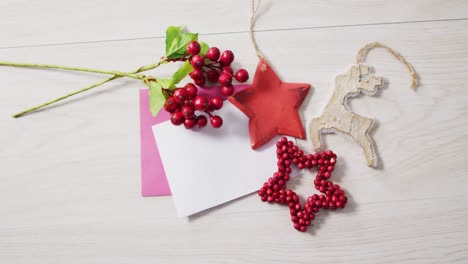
(274, 190)
(271, 106)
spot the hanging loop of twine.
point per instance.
(362, 53)
(251, 30)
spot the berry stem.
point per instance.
(213, 66)
(35, 108)
(60, 67)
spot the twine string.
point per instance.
(362, 53)
(251, 30)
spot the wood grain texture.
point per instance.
(26, 23)
(70, 176)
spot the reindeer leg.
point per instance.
(360, 127)
(315, 127)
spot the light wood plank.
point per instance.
(46, 22)
(70, 186)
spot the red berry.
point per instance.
(187, 110)
(216, 121)
(180, 95)
(227, 90)
(200, 103)
(242, 75)
(227, 69)
(217, 103)
(193, 47)
(225, 79)
(191, 90)
(226, 58)
(197, 74)
(210, 108)
(202, 121)
(200, 82)
(177, 118)
(197, 61)
(190, 122)
(212, 75)
(213, 53)
(171, 105)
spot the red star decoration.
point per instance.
(275, 189)
(271, 106)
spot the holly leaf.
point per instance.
(176, 42)
(156, 97)
(204, 48)
(181, 73)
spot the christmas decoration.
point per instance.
(200, 62)
(274, 190)
(339, 118)
(183, 102)
(271, 106)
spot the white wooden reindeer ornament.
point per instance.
(339, 118)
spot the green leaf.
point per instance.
(171, 33)
(156, 97)
(181, 73)
(165, 83)
(176, 42)
(204, 48)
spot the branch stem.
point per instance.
(116, 76)
(60, 67)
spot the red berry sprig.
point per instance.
(183, 103)
(214, 67)
(274, 190)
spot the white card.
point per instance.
(208, 167)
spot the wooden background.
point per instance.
(70, 176)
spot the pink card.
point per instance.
(153, 176)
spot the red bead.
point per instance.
(274, 189)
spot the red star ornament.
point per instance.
(275, 189)
(271, 105)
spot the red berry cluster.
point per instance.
(214, 67)
(183, 102)
(275, 189)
